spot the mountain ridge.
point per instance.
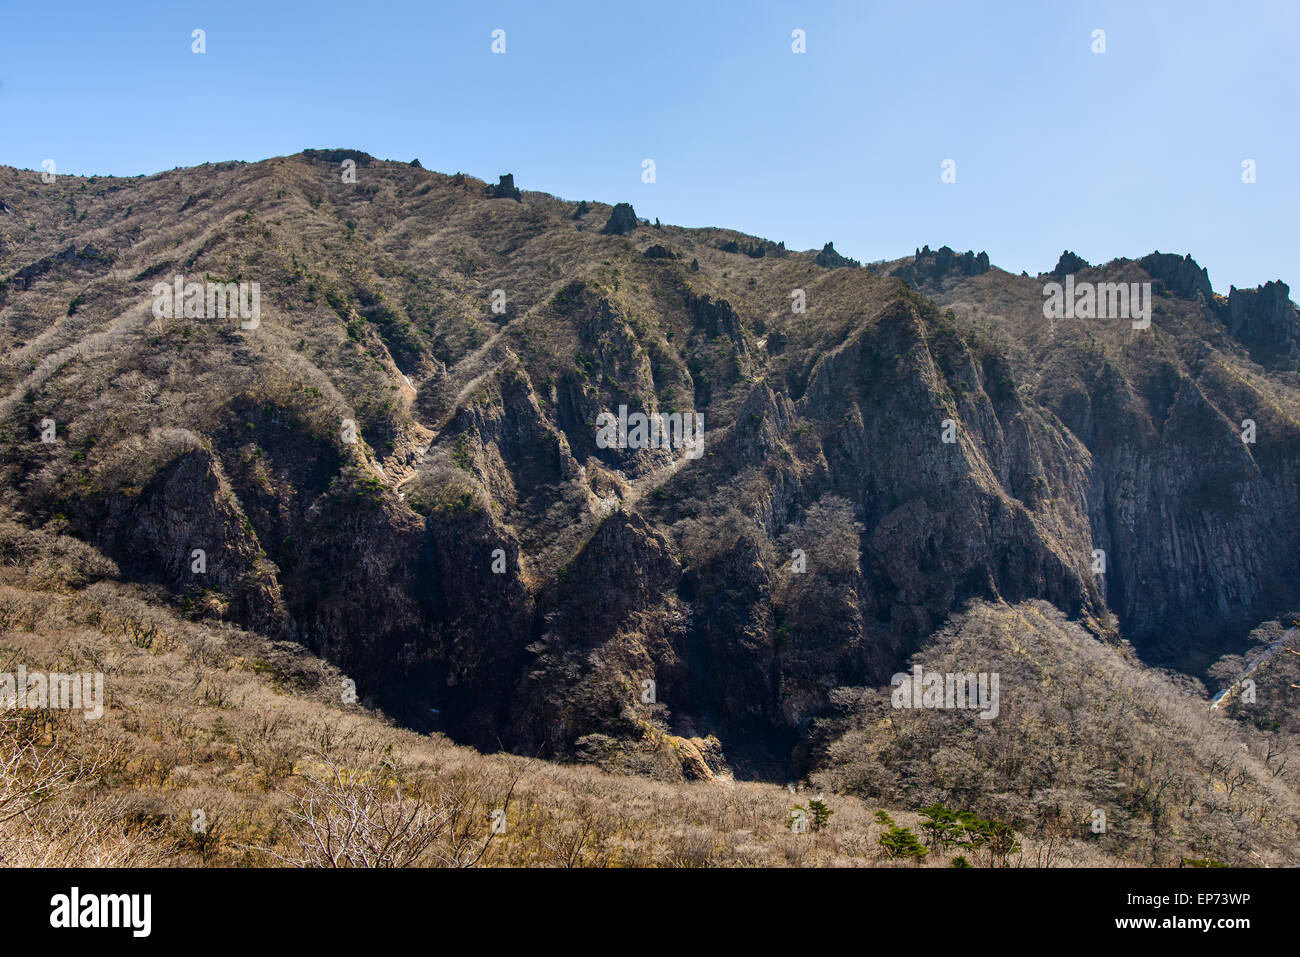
(364, 159)
(476, 436)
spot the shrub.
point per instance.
(899, 842)
(820, 814)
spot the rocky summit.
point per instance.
(360, 415)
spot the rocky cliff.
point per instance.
(399, 464)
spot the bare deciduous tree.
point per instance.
(367, 817)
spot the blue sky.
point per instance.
(1113, 154)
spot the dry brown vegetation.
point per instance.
(255, 735)
(476, 434)
(1081, 727)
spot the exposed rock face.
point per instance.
(1171, 489)
(1069, 263)
(622, 219)
(718, 319)
(828, 258)
(601, 654)
(1265, 320)
(1181, 275)
(339, 155)
(412, 484)
(1179, 486)
(1007, 471)
(930, 266)
(505, 189)
(762, 247)
(186, 528)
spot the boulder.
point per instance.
(621, 220)
(505, 189)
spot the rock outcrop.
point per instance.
(1069, 263)
(1266, 321)
(828, 258)
(622, 219)
(414, 486)
(932, 266)
(1181, 275)
(505, 189)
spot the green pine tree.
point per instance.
(820, 814)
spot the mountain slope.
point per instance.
(481, 565)
(1195, 521)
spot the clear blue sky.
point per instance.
(1109, 155)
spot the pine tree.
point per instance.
(899, 841)
(821, 814)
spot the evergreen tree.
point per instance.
(820, 814)
(899, 841)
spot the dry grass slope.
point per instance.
(254, 735)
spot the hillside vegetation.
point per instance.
(393, 477)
